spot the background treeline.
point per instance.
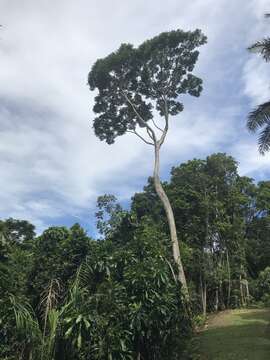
(67, 296)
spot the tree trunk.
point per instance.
(204, 300)
(203, 282)
(203, 295)
(247, 290)
(217, 300)
(241, 290)
(221, 296)
(229, 279)
(170, 217)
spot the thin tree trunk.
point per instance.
(241, 290)
(229, 279)
(170, 217)
(203, 295)
(247, 289)
(221, 297)
(204, 300)
(217, 300)
(203, 283)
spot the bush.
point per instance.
(131, 304)
(266, 300)
(264, 282)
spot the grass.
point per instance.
(235, 335)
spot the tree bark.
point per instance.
(229, 279)
(241, 290)
(203, 295)
(171, 221)
(217, 300)
(204, 299)
(247, 290)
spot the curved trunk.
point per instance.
(170, 217)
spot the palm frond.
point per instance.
(50, 296)
(84, 274)
(262, 47)
(26, 321)
(53, 322)
(259, 116)
(264, 140)
(43, 343)
(49, 301)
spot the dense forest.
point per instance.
(68, 296)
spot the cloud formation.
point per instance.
(52, 166)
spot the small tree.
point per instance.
(134, 84)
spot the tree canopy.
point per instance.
(133, 83)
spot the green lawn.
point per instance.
(236, 335)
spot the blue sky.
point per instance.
(52, 166)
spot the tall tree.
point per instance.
(259, 118)
(109, 215)
(211, 203)
(134, 84)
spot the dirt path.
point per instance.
(235, 335)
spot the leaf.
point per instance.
(87, 323)
(68, 332)
(123, 346)
(79, 341)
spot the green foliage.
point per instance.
(67, 297)
(266, 300)
(15, 264)
(57, 254)
(264, 281)
(18, 231)
(37, 339)
(131, 304)
(109, 215)
(132, 82)
(213, 206)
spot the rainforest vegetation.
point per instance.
(65, 295)
(195, 244)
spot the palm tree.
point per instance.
(39, 340)
(259, 118)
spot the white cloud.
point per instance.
(52, 165)
(256, 74)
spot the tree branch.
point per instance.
(166, 114)
(149, 134)
(156, 125)
(142, 138)
(140, 118)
